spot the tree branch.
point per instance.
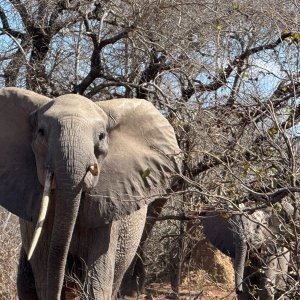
(6, 27)
(19, 6)
(221, 79)
(96, 68)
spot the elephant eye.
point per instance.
(41, 132)
(101, 136)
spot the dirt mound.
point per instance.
(217, 265)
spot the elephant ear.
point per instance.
(220, 232)
(141, 160)
(20, 191)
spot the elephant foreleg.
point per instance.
(96, 251)
(130, 233)
(25, 279)
(274, 279)
(134, 279)
(268, 278)
(100, 256)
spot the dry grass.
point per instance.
(9, 254)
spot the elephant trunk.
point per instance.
(240, 254)
(71, 166)
(66, 210)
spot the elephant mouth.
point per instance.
(93, 171)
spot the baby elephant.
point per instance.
(260, 265)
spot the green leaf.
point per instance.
(289, 231)
(224, 215)
(288, 40)
(146, 173)
(178, 124)
(296, 36)
(219, 27)
(236, 6)
(272, 131)
(277, 207)
(246, 75)
(246, 166)
(290, 111)
(260, 172)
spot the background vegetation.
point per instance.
(225, 74)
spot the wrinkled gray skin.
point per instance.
(94, 222)
(241, 238)
(133, 282)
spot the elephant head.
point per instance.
(116, 155)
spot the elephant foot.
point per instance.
(131, 288)
(25, 279)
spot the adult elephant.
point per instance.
(252, 238)
(96, 166)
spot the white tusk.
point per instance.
(42, 213)
(94, 169)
